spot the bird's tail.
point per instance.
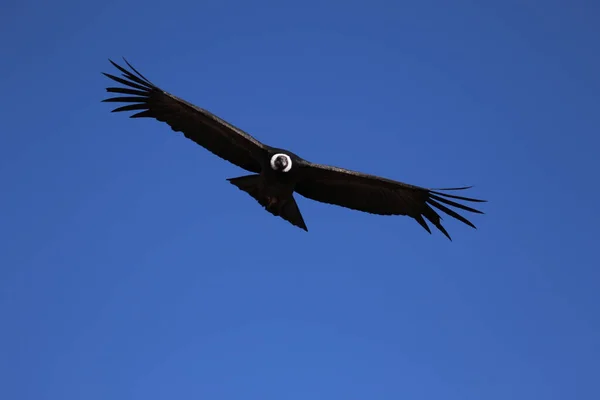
(287, 210)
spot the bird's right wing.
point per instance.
(377, 195)
(197, 124)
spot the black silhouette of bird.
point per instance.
(278, 173)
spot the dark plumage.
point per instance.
(278, 173)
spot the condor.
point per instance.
(278, 173)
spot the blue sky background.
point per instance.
(131, 269)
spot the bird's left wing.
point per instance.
(377, 195)
(201, 126)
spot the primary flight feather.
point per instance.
(278, 173)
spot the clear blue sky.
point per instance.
(131, 269)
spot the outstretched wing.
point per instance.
(201, 126)
(377, 195)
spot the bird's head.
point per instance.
(281, 162)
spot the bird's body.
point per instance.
(276, 174)
(274, 187)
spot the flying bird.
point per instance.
(277, 173)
